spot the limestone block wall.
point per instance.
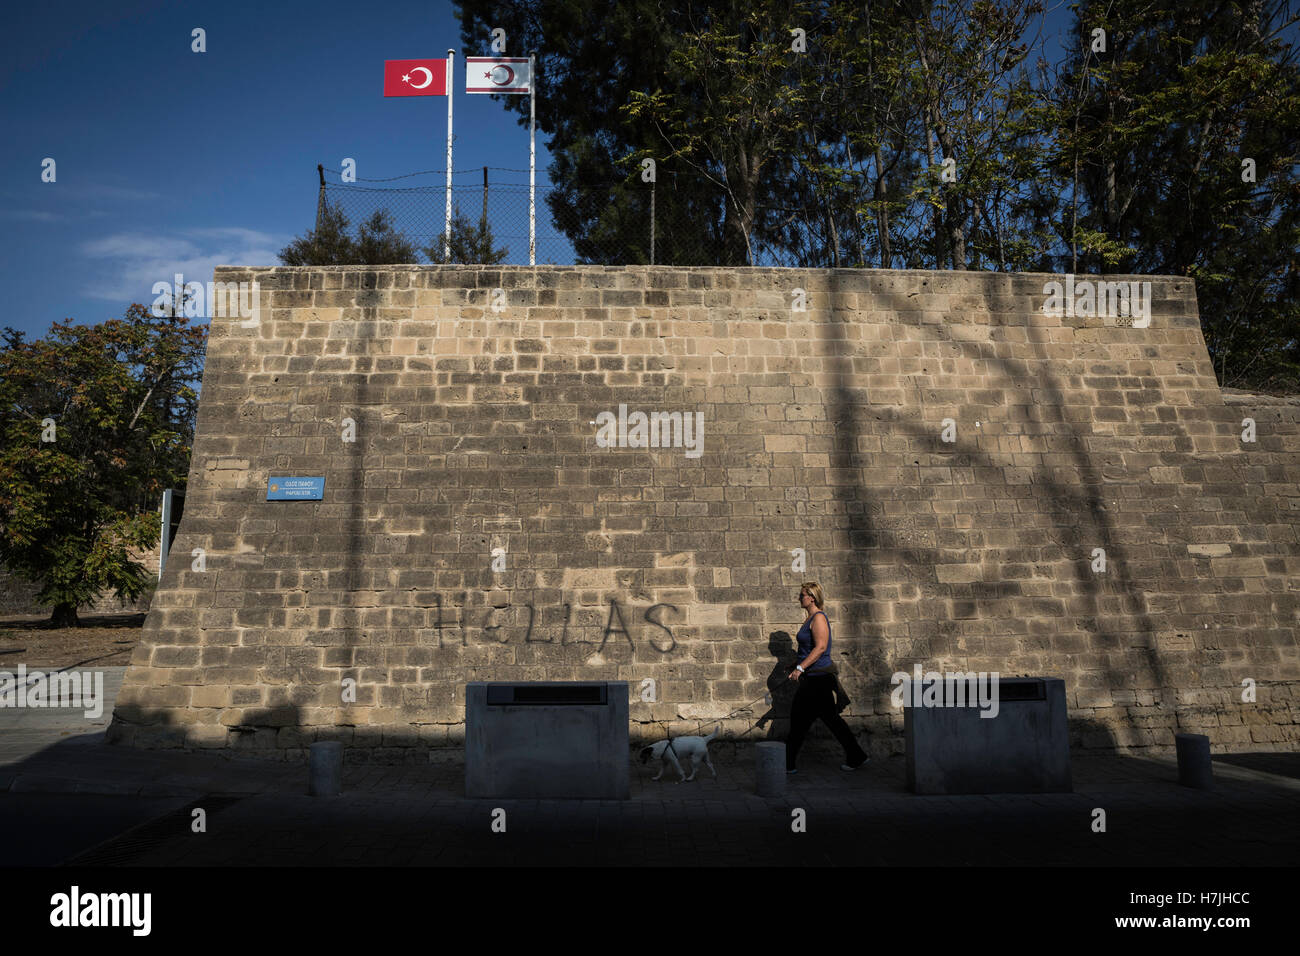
(476, 528)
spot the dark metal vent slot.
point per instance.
(1021, 689)
(546, 694)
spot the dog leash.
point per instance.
(700, 723)
(767, 696)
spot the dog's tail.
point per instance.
(716, 730)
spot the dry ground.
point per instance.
(103, 639)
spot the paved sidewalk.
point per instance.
(404, 816)
(259, 813)
(418, 815)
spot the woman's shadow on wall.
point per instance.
(780, 689)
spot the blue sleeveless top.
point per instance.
(805, 641)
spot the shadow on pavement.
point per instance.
(416, 814)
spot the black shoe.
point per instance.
(854, 766)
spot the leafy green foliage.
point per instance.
(1155, 132)
(118, 401)
(591, 56)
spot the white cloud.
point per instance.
(30, 215)
(110, 193)
(134, 261)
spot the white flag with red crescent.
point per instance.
(497, 74)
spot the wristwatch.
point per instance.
(799, 668)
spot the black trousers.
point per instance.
(815, 699)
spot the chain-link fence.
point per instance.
(627, 223)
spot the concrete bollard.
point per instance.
(1194, 768)
(769, 769)
(325, 770)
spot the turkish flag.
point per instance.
(415, 77)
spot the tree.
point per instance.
(973, 100)
(470, 243)
(376, 243)
(327, 245)
(920, 133)
(592, 54)
(96, 422)
(1157, 130)
(796, 132)
(738, 119)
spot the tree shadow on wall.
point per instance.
(261, 729)
(1091, 525)
(354, 651)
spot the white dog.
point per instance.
(696, 748)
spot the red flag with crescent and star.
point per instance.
(415, 77)
(499, 74)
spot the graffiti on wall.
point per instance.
(653, 629)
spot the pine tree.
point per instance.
(327, 245)
(471, 243)
(376, 243)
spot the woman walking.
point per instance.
(815, 698)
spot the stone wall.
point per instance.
(477, 395)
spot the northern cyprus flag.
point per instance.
(499, 74)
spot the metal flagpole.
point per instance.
(532, 159)
(446, 236)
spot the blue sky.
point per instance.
(170, 160)
(174, 161)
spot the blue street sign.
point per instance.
(295, 489)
